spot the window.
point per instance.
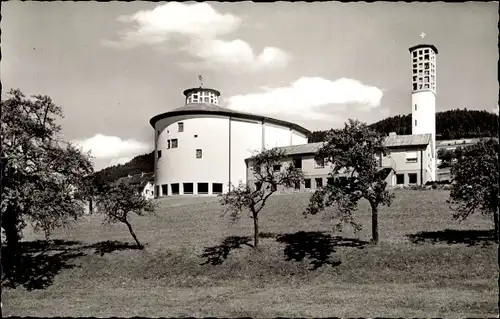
(180, 127)
(415, 107)
(157, 190)
(297, 163)
(168, 144)
(297, 185)
(198, 153)
(277, 167)
(207, 99)
(174, 188)
(319, 163)
(414, 78)
(426, 56)
(195, 136)
(400, 179)
(411, 157)
(158, 154)
(426, 65)
(414, 86)
(217, 188)
(415, 122)
(164, 189)
(330, 181)
(258, 185)
(175, 143)
(414, 53)
(187, 188)
(426, 86)
(319, 182)
(256, 169)
(202, 188)
(307, 183)
(412, 178)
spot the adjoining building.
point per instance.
(409, 162)
(142, 182)
(201, 147)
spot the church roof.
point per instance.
(407, 140)
(207, 108)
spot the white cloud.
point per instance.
(200, 26)
(309, 98)
(112, 147)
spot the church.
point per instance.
(202, 148)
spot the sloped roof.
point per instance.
(407, 140)
(139, 180)
(207, 108)
(390, 141)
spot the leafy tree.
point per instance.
(445, 155)
(118, 200)
(254, 199)
(476, 177)
(353, 150)
(42, 176)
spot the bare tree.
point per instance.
(268, 178)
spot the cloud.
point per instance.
(112, 147)
(310, 98)
(199, 28)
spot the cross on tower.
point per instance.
(200, 77)
(422, 35)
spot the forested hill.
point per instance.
(139, 164)
(454, 124)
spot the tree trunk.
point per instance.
(374, 223)
(495, 219)
(133, 234)
(9, 224)
(255, 231)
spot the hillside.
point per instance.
(454, 124)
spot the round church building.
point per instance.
(200, 148)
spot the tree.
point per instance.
(41, 174)
(118, 200)
(475, 187)
(445, 155)
(352, 151)
(254, 199)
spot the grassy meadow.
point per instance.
(198, 263)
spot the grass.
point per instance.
(199, 264)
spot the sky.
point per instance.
(112, 66)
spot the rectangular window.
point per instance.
(174, 188)
(297, 163)
(198, 153)
(277, 167)
(187, 188)
(414, 86)
(168, 144)
(330, 181)
(415, 122)
(307, 183)
(414, 53)
(415, 107)
(207, 99)
(412, 178)
(175, 143)
(180, 127)
(157, 188)
(202, 188)
(217, 188)
(158, 154)
(319, 182)
(414, 78)
(400, 179)
(319, 163)
(411, 157)
(164, 189)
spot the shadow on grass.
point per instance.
(216, 255)
(109, 246)
(317, 246)
(38, 262)
(452, 236)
